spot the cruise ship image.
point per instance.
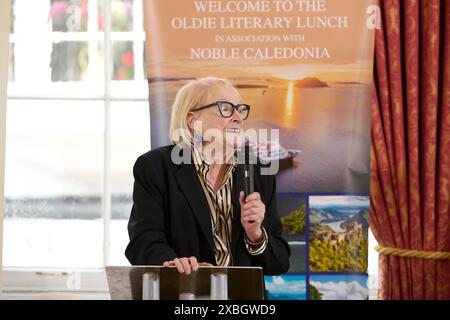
(273, 151)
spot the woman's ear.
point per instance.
(190, 120)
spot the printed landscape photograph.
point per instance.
(338, 233)
(286, 287)
(292, 210)
(338, 287)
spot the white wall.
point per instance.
(5, 9)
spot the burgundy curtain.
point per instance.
(410, 148)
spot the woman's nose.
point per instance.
(237, 116)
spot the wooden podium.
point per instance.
(165, 283)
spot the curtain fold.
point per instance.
(410, 147)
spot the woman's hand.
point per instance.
(252, 215)
(185, 265)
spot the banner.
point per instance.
(305, 67)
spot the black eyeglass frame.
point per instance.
(235, 107)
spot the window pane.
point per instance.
(121, 15)
(123, 60)
(11, 73)
(53, 184)
(129, 139)
(56, 57)
(69, 15)
(69, 61)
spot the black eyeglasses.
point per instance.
(226, 108)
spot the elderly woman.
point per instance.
(191, 213)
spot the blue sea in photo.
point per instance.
(290, 296)
(286, 287)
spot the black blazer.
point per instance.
(170, 216)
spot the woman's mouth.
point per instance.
(233, 130)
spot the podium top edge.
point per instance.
(174, 267)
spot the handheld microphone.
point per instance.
(248, 179)
(249, 185)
